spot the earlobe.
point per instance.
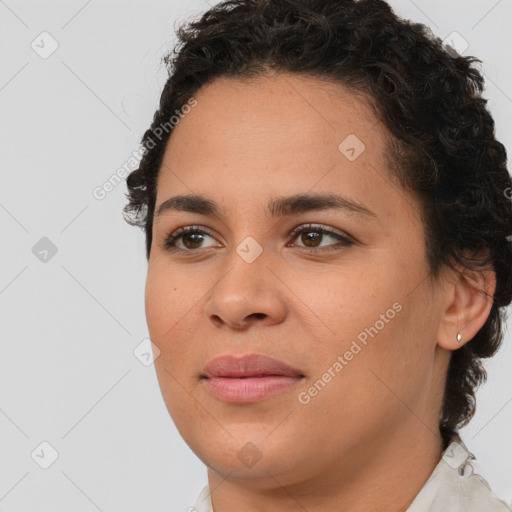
(469, 302)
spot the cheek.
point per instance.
(156, 302)
(371, 312)
(401, 356)
(173, 306)
(163, 304)
(349, 303)
(166, 314)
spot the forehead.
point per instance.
(287, 106)
(273, 136)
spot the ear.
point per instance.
(469, 298)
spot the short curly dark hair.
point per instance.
(442, 145)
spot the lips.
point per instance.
(248, 379)
(252, 365)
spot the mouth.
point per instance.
(248, 379)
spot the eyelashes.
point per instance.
(170, 242)
(196, 235)
(342, 240)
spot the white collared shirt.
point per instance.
(452, 487)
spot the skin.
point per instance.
(369, 440)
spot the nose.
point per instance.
(246, 294)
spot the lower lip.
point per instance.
(249, 389)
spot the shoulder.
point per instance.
(454, 487)
(477, 495)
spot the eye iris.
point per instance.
(195, 238)
(310, 236)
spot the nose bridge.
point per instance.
(247, 265)
(246, 288)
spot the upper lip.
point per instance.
(249, 365)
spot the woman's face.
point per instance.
(350, 309)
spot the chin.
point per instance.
(244, 459)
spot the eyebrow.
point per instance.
(277, 207)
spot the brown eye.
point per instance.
(189, 238)
(192, 240)
(312, 236)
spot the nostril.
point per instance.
(258, 315)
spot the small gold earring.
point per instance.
(459, 337)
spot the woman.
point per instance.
(328, 257)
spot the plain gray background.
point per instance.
(72, 272)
